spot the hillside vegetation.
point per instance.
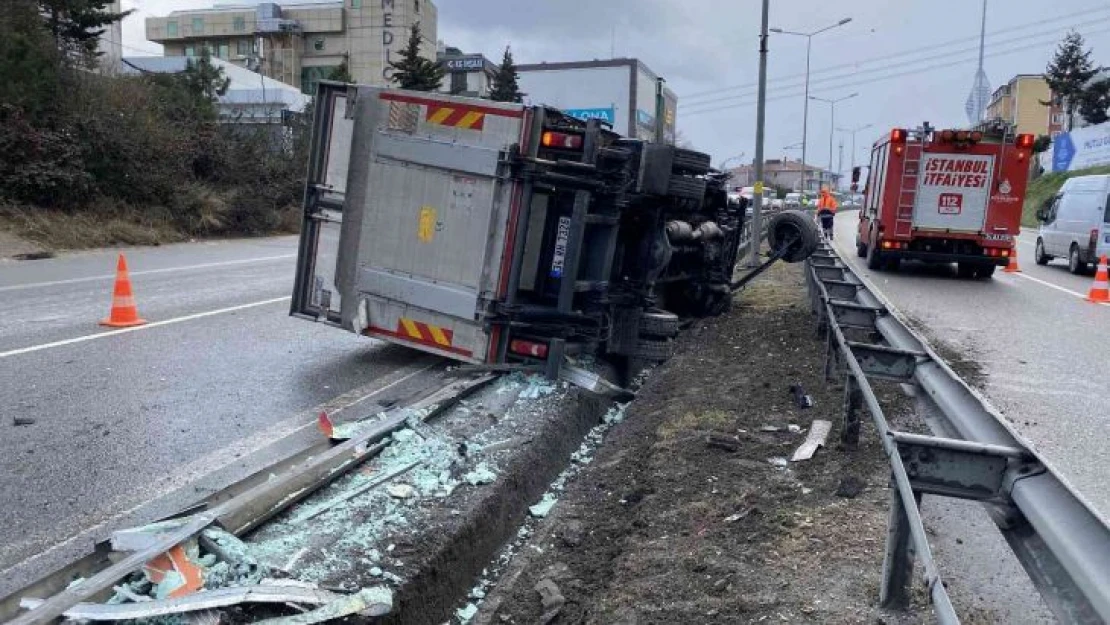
(88, 159)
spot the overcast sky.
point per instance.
(909, 61)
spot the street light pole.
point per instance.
(853, 132)
(760, 115)
(832, 123)
(805, 102)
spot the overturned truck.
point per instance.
(493, 232)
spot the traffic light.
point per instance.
(855, 175)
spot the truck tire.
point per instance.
(690, 162)
(861, 249)
(659, 323)
(965, 271)
(1075, 262)
(984, 272)
(1039, 255)
(686, 188)
(797, 225)
(654, 350)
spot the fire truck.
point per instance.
(945, 196)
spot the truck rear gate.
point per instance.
(419, 234)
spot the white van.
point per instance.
(1075, 223)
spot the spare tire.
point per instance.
(685, 188)
(690, 162)
(796, 226)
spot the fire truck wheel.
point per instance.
(685, 188)
(965, 271)
(653, 349)
(874, 259)
(984, 272)
(793, 224)
(1039, 255)
(690, 162)
(659, 323)
(892, 264)
(861, 250)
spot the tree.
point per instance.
(78, 24)
(1094, 102)
(413, 71)
(1041, 144)
(1068, 73)
(505, 87)
(341, 73)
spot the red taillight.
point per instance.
(962, 136)
(521, 347)
(1024, 141)
(976, 136)
(898, 135)
(561, 140)
(947, 136)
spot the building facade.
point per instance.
(618, 91)
(299, 44)
(1019, 102)
(784, 174)
(466, 74)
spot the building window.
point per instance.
(318, 44)
(190, 51)
(171, 28)
(198, 25)
(1057, 118)
(356, 4)
(243, 47)
(223, 51)
(416, 5)
(238, 24)
(458, 82)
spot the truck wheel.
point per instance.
(686, 188)
(874, 258)
(965, 271)
(1075, 264)
(892, 264)
(1039, 255)
(984, 272)
(861, 249)
(659, 323)
(797, 225)
(690, 162)
(654, 350)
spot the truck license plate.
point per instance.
(997, 237)
(560, 255)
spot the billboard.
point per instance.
(585, 92)
(1081, 148)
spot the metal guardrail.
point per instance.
(1063, 544)
(746, 232)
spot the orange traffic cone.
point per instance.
(124, 312)
(1100, 290)
(1013, 266)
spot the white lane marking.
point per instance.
(1050, 285)
(227, 263)
(154, 324)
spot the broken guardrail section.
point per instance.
(1060, 540)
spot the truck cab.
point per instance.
(945, 196)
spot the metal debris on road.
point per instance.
(376, 601)
(818, 432)
(351, 494)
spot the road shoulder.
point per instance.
(663, 528)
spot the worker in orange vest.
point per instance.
(826, 210)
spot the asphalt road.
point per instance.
(121, 419)
(1041, 347)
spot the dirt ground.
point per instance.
(665, 528)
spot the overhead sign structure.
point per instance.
(607, 115)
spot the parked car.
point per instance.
(792, 200)
(1075, 223)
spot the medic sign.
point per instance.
(953, 191)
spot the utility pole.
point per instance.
(840, 165)
(760, 115)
